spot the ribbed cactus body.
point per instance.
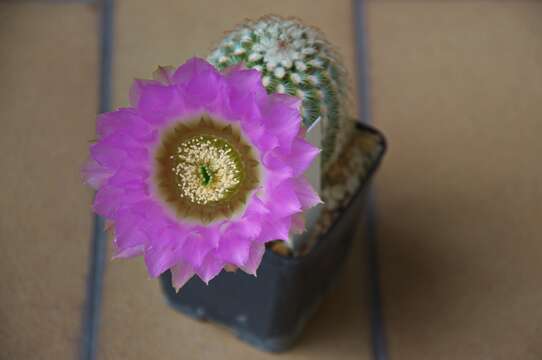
(297, 60)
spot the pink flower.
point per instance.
(201, 171)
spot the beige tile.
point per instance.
(48, 103)
(457, 89)
(137, 324)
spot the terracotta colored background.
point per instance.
(455, 86)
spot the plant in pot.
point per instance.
(213, 167)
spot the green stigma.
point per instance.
(206, 175)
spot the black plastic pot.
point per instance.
(270, 311)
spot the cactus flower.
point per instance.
(201, 171)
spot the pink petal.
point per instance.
(109, 199)
(245, 93)
(277, 169)
(127, 252)
(266, 142)
(180, 274)
(202, 86)
(276, 230)
(255, 133)
(155, 217)
(165, 251)
(127, 221)
(256, 207)
(292, 102)
(159, 259)
(283, 201)
(94, 174)
(156, 102)
(301, 156)
(305, 193)
(282, 119)
(195, 248)
(210, 267)
(110, 122)
(125, 120)
(210, 234)
(108, 155)
(254, 258)
(129, 244)
(116, 150)
(249, 227)
(125, 177)
(193, 69)
(106, 201)
(233, 248)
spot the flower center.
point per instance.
(208, 169)
(205, 170)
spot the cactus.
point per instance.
(297, 60)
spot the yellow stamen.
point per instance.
(222, 171)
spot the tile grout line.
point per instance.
(378, 341)
(92, 310)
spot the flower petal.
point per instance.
(301, 156)
(124, 120)
(283, 200)
(210, 267)
(180, 274)
(125, 177)
(116, 150)
(277, 168)
(156, 102)
(109, 199)
(233, 248)
(254, 258)
(108, 155)
(94, 174)
(127, 252)
(249, 227)
(202, 86)
(129, 243)
(282, 118)
(305, 193)
(279, 229)
(195, 69)
(195, 248)
(162, 255)
(256, 207)
(246, 92)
